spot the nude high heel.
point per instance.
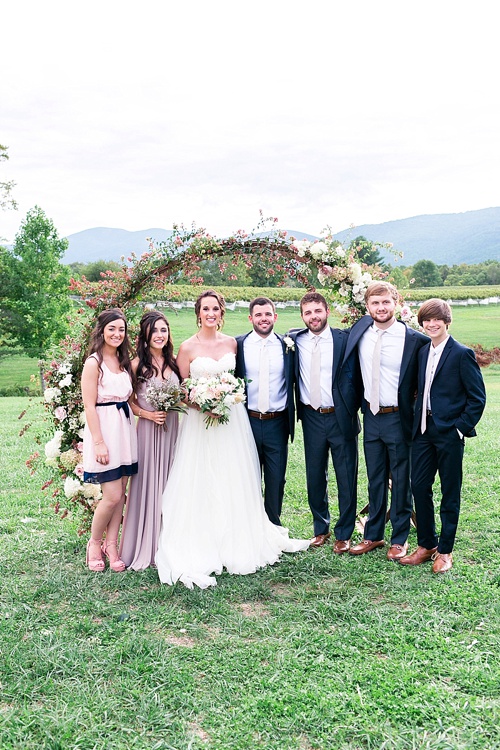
(95, 564)
(114, 561)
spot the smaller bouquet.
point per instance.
(216, 394)
(166, 395)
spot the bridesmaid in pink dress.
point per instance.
(156, 438)
(109, 440)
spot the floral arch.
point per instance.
(343, 275)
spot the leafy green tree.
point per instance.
(426, 273)
(368, 252)
(92, 271)
(397, 277)
(38, 295)
(6, 200)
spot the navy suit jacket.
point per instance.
(288, 357)
(458, 395)
(408, 374)
(344, 384)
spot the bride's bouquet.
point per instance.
(216, 394)
(166, 395)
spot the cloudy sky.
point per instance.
(138, 115)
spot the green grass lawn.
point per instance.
(471, 325)
(315, 653)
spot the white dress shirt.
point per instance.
(277, 385)
(305, 344)
(391, 355)
(433, 358)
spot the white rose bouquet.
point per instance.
(215, 395)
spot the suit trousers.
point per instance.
(386, 452)
(322, 434)
(437, 452)
(271, 440)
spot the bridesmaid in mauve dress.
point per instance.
(156, 437)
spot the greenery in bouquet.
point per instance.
(166, 395)
(215, 395)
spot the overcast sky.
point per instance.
(142, 114)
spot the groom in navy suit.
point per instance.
(450, 401)
(387, 350)
(327, 405)
(266, 362)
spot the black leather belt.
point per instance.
(385, 409)
(266, 415)
(322, 409)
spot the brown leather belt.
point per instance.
(322, 409)
(267, 415)
(385, 409)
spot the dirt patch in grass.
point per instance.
(197, 731)
(253, 609)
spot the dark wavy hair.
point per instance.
(220, 299)
(96, 343)
(146, 368)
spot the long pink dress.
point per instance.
(118, 430)
(141, 527)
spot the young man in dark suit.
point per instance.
(450, 401)
(327, 406)
(266, 363)
(387, 350)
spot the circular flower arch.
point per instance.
(340, 271)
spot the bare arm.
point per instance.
(90, 375)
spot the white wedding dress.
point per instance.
(213, 513)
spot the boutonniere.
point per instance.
(289, 343)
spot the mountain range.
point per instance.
(469, 237)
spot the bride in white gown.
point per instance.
(213, 513)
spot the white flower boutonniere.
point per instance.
(289, 343)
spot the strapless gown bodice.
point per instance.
(206, 367)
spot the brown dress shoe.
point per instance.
(418, 557)
(319, 540)
(365, 546)
(442, 562)
(341, 546)
(397, 551)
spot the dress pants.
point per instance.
(386, 452)
(322, 435)
(437, 452)
(271, 440)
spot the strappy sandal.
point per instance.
(95, 564)
(114, 561)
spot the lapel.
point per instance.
(423, 354)
(408, 349)
(336, 352)
(286, 361)
(442, 359)
(241, 353)
(297, 357)
(356, 332)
